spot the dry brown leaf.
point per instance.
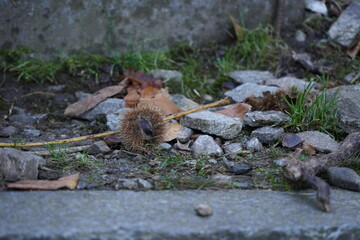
(87, 103)
(354, 51)
(69, 182)
(309, 149)
(183, 146)
(160, 102)
(142, 80)
(172, 131)
(236, 111)
(237, 28)
(132, 98)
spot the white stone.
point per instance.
(240, 93)
(251, 76)
(263, 118)
(320, 141)
(205, 144)
(213, 123)
(346, 29)
(316, 6)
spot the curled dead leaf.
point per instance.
(183, 146)
(69, 182)
(236, 111)
(172, 130)
(160, 102)
(89, 102)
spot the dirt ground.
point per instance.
(163, 169)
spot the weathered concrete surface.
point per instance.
(64, 27)
(238, 214)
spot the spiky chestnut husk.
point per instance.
(142, 129)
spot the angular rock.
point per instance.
(113, 120)
(144, 184)
(263, 118)
(166, 146)
(212, 161)
(316, 6)
(8, 131)
(19, 165)
(235, 168)
(233, 149)
(345, 178)
(346, 29)
(239, 169)
(98, 147)
(348, 105)
(185, 135)
(288, 82)
(267, 135)
(291, 140)
(240, 93)
(183, 102)
(280, 162)
(109, 106)
(127, 183)
(320, 141)
(300, 36)
(254, 145)
(32, 132)
(167, 75)
(205, 144)
(25, 118)
(221, 178)
(349, 77)
(251, 76)
(213, 123)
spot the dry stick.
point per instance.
(222, 102)
(304, 171)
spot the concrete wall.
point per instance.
(108, 26)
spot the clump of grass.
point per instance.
(86, 65)
(68, 162)
(258, 48)
(36, 70)
(142, 60)
(307, 114)
(28, 70)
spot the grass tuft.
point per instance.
(310, 111)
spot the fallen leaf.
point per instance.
(239, 32)
(69, 182)
(236, 111)
(183, 146)
(172, 131)
(87, 103)
(160, 102)
(132, 98)
(354, 51)
(291, 140)
(141, 79)
(309, 149)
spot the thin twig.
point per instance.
(222, 102)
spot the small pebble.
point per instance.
(203, 210)
(8, 131)
(239, 169)
(212, 161)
